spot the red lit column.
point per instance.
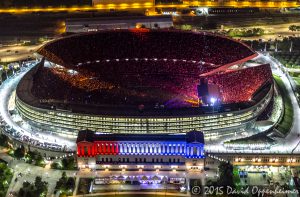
(108, 149)
(104, 149)
(89, 151)
(82, 150)
(78, 150)
(100, 149)
(113, 149)
(117, 149)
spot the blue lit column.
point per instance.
(126, 148)
(159, 148)
(143, 148)
(187, 150)
(121, 148)
(147, 148)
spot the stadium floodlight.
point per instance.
(213, 100)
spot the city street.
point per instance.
(16, 53)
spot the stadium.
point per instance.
(145, 81)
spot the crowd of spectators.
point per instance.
(71, 51)
(124, 81)
(144, 68)
(148, 82)
(238, 86)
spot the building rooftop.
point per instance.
(91, 136)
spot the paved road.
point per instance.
(16, 53)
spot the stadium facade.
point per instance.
(158, 151)
(145, 85)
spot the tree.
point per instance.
(226, 174)
(292, 28)
(41, 186)
(55, 165)
(3, 140)
(37, 189)
(64, 175)
(65, 184)
(70, 184)
(20, 152)
(5, 178)
(68, 163)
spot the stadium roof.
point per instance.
(91, 136)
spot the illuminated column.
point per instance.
(121, 148)
(124, 148)
(127, 148)
(94, 149)
(142, 148)
(112, 148)
(154, 148)
(163, 148)
(100, 148)
(89, 150)
(108, 148)
(150, 148)
(117, 148)
(82, 150)
(104, 148)
(147, 148)
(78, 150)
(133, 148)
(187, 150)
(159, 148)
(130, 148)
(137, 148)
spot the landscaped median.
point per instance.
(286, 122)
(6, 176)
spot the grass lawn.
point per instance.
(286, 122)
(297, 80)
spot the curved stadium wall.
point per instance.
(68, 123)
(65, 118)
